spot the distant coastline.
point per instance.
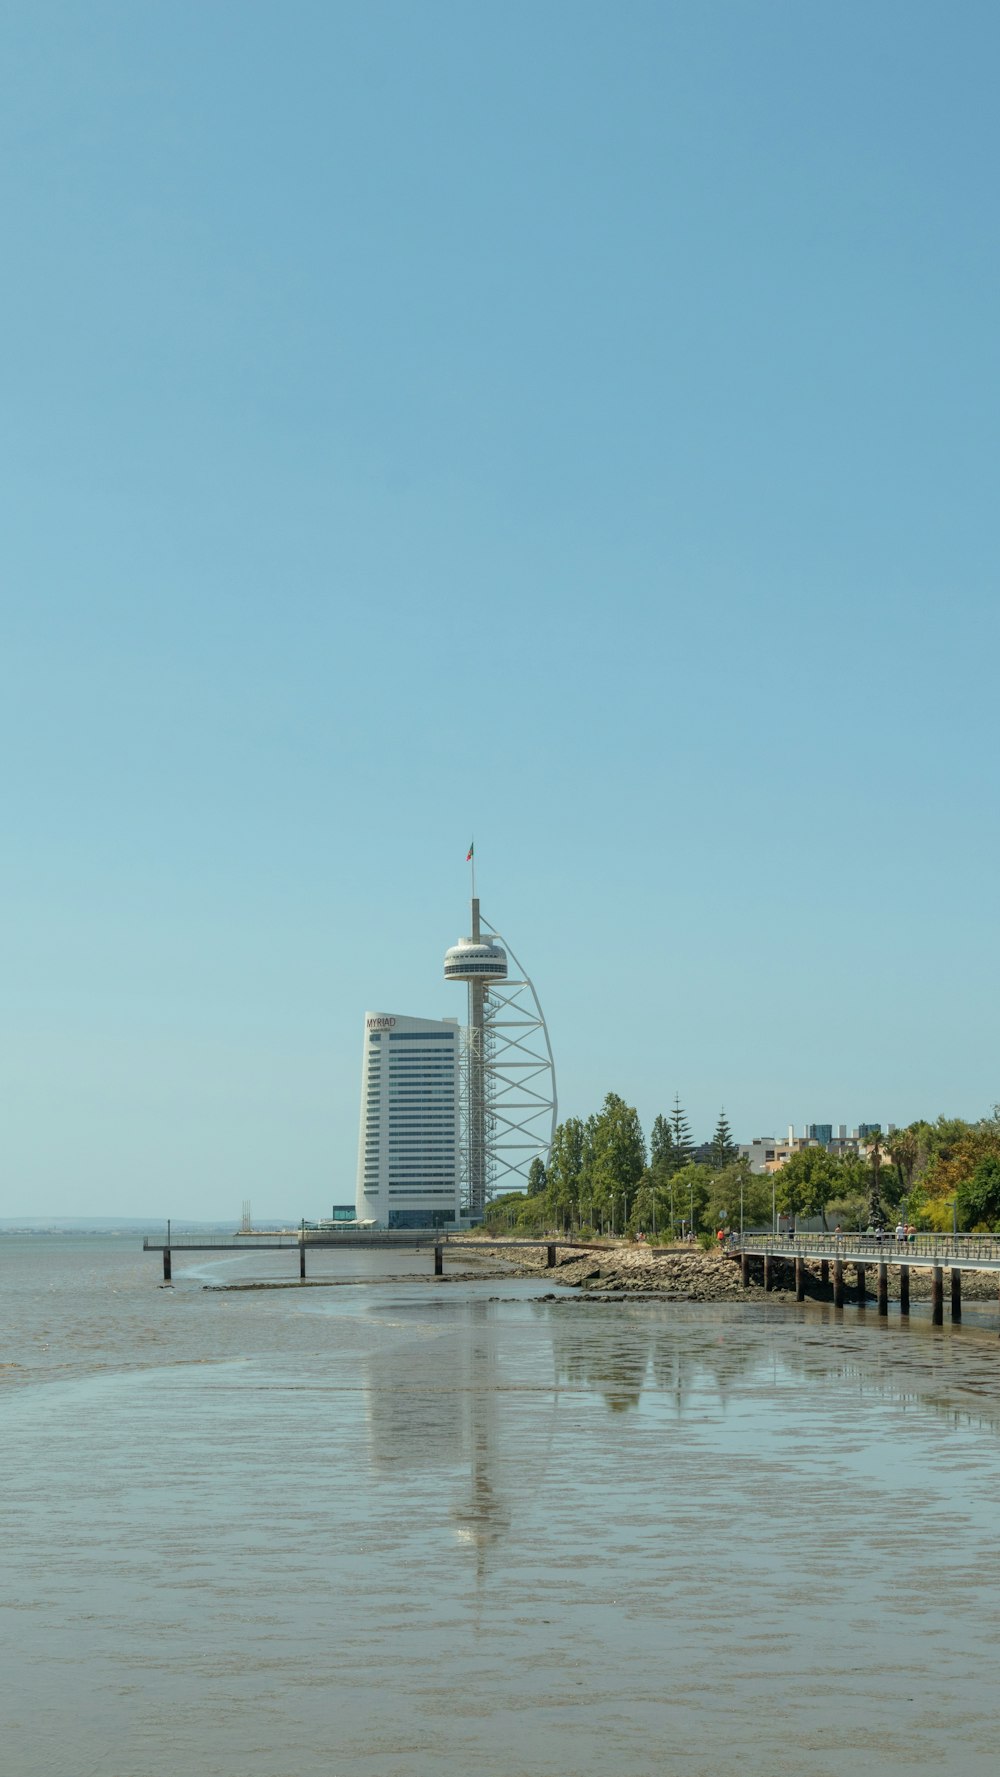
(110, 1225)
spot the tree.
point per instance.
(619, 1156)
(979, 1197)
(790, 1190)
(735, 1187)
(662, 1155)
(644, 1206)
(693, 1185)
(681, 1132)
(537, 1177)
(873, 1143)
(807, 1182)
(958, 1173)
(902, 1149)
(502, 1213)
(724, 1149)
(847, 1204)
(567, 1171)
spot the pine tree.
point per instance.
(662, 1159)
(681, 1131)
(724, 1149)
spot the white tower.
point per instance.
(509, 1087)
(477, 963)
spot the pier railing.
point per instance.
(966, 1251)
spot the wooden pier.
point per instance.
(831, 1253)
(350, 1240)
(935, 1253)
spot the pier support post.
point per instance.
(800, 1279)
(904, 1289)
(838, 1283)
(824, 1271)
(550, 1257)
(937, 1296)
(956, 1293)
(768, 1274)
(439, 1261)
(860, 1274)
(883, 1288)
(166, 1264)
(302, 1258)
(745, 1270)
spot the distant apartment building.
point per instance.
(759, 1152)
(767, 1154)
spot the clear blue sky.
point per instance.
(570, 423)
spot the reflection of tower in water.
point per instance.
(483, 1517)
(445, 1411)
(447, 1424)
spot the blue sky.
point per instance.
(574, 425)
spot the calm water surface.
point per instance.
(397, 1528)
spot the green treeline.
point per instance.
(603, 1177)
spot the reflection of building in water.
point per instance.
(452, 1425)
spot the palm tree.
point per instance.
(873, 1143)
(901, 1147)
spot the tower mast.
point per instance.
(508, 1098)
(477, 961)
(477, 1079)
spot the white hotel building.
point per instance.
(408, 1148)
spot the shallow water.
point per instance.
(400, 1528)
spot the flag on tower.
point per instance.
(469, 853)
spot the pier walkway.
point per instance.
(966, 1252)
(309, 1239)
(931, 1252)
(827, 1253)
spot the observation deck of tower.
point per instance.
(508, 1107)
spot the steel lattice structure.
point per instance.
(520, 1072)
(508, 1089)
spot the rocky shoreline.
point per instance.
(684, 1273)
(689, 1274)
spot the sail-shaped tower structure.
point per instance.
(508, 1087)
